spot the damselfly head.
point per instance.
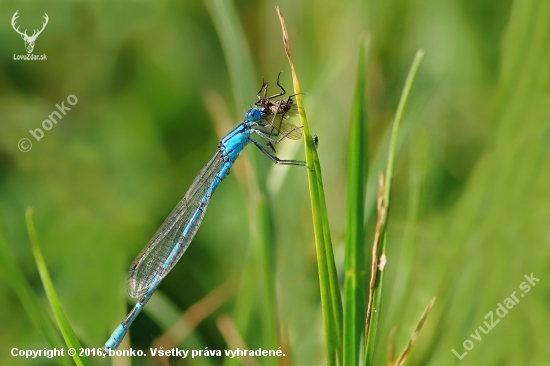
(254, 114)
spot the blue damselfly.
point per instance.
(268, 119)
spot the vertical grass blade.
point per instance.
(391, 347)
(68, 334)
(243, 80)
(331, 300)
(235, 49)
(419, 149)
(377, 274)
(30, 302)
(355, 275)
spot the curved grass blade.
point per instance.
(330, 292)
(355, 275)
(379, 247)
(403, 356)
(68, 334)
(30, 302)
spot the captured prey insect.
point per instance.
(268, 120)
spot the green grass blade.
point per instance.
(243, 80)
(68, 334)
(236, 51)
(378, 274)
(269, 303)
(331, 300)
(420, 153)
(355, 275)
(397, 122)
(30, 302)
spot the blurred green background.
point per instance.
(470, 207)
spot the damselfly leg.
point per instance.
(275, 159)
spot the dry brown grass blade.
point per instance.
(233, 339)
(287, 44)
(381, 208)
(401, 359)
(195, 314)
(391, 347)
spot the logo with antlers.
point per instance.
(29, 40)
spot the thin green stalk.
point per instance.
(331, 300)
(419, 152)
(418, 57)
(235, 49)
(30, 301)
(378, 272)
(267, 257)
(243, 79)
(355, 274)
(66, 330)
